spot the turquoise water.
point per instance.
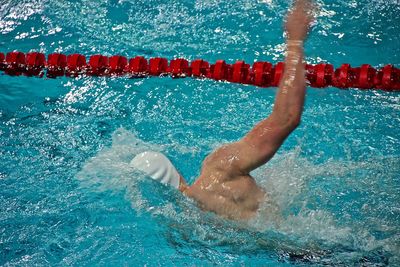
(69, 197)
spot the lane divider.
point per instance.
(263, 74)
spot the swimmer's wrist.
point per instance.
(294, 43)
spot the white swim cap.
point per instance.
(157, 166)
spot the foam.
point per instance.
(301, 224)
(289, 181)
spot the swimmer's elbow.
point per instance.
(289, 122)
(294, 121)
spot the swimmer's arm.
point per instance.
(262, 142)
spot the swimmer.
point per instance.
(225, 185)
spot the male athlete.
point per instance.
(225, 185)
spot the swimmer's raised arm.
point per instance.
(290, 97)
(268, 135)
(262, 142)
(224, 185)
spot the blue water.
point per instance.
(69, 197)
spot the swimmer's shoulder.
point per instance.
(225, 161)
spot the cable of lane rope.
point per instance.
(262, 74)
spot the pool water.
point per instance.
(69, 197)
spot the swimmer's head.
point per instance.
(158, 167)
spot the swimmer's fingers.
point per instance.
(304, 9)
(299, 19)
(312, 10)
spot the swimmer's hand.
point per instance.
(299, 20)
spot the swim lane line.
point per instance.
(262, 74)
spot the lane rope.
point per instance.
(262, 74)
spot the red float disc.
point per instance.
(341, 78)
(199, 67)
(366, 76)
(56, 64)
(262, 73)
(35, 63)
(387, 77)
(15, 63)
(240, 72)
(220, 69)
(138, 66)
(158, 66)
(117, 64)
(323, 75)
(179, 67)
(278, 72)
(76, 64)
(98, 65)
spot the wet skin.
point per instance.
(234, 196)
(225, 185)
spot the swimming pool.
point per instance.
(68, 196)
